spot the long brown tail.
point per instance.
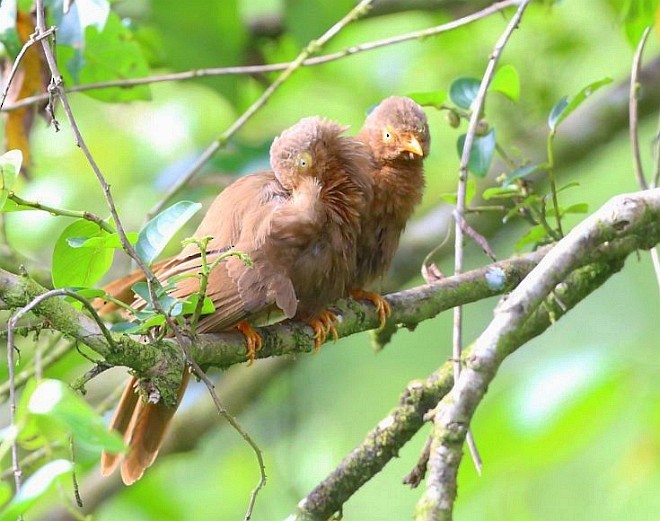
(143, 426)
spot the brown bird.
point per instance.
(299, 224)
(397, 135)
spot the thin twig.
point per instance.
(656, 156)
(34, 38)
(311, 48)
(76, 214)
(632, 109)
(255, 69)
(634, 135)
(461, 195)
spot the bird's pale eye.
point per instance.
(304, 161)
(388, 135)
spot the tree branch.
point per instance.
(396, 429)
(630, 221)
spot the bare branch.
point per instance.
(632, 110)
(620, 220)
(255, 69)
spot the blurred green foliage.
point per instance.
(570, 428)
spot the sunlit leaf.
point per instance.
(5, 492)
(80, 266)
(564, 108)
(10, 166)
(35, 487)
(159, 231)
(429, 99)
(463, 91)
(53, 401)
(470, 191)
(481, 155)
(501, 192)
(507, 82)
(108, 53)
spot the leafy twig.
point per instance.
(77, 214)
(475, 116)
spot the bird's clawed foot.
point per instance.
(253, 340)
(382, 306)
(323, 324)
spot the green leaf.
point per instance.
(507, 82)
(53, 401)
(501, 192)
(35, 487)
(155, 235)
(5, 492)
(10, 166)
(11, 206)
(110, 240)
(575, 208)
(572, 184)
(471, 190)
(110, 53)
(481, 155)
(80, 266)
(533, 236)
(637, 16)
(463, 91)
(564, 108)
(429, 99)
(522, 172)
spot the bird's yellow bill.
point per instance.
(412, 145)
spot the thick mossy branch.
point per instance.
(223, 350)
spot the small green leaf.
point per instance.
(52, 401)
(429, 99)
(564, 108)
(533, 236)
(572, 184)
(11, 206)
(141, 289)
(10, 166)
(522, 172)
(35, 487)
(481, 155)
(80, 266)
(507, 82)
(470, 192)
(5, 492)
(155, 235)
(463, 91)
(501, 192)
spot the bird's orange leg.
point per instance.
(382, 306)
(323, 324)
(253, 340)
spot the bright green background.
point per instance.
(570, 427)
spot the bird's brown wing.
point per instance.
(238, 293)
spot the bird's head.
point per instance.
(306, 150)
(397, 130)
